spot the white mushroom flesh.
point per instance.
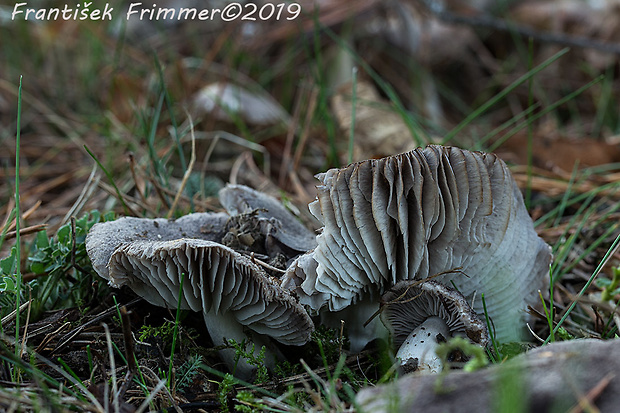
(421, 344)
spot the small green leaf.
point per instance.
(37, 267)
(511, 349)
(95, 216)
(602, 282)
(82, 222)
(7, 265)
(64, 234)
(41, 240)
(8, 284)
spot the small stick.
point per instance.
(128, 338)
(290, 137)
(306, 131)
(341, 338)
(542, 36)
(132, 167)
(188, 172)
(25, 334)
(585, 402)
(129, 351)
(25, 231)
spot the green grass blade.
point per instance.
(612, 249)
(417, 132)
(567, 193)
(353, 103)
(501, 95)
(17, 221)
(530, 126)
(542, 113)
(128, 210)
(578, 198)
(69, 369)
(479, 143)
(490, 329)
(150, 140)
(168, 101)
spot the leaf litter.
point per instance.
(572, 177)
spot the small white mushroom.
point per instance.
(419, 347)
(422, 315)
(415, 215)
(238, 299)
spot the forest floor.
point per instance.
(112, 118)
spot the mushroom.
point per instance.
(419, 214)
(232, 292)
(237, 297)
(275, 220)
(105, 237)
(422, 315)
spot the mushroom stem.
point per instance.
(421, 344)
(359, 330)
(224, 327)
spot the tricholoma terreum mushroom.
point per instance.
(413, 216)
(236, 295)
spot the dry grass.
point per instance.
(126, 97)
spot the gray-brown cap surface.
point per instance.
(276, 220)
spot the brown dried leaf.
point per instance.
(379, 130)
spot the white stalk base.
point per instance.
(421, 345)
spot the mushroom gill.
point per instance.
(218, 280)
(237, 297)
(415, 215)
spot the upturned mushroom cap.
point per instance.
(418, 214)
(235, 295)
(150, 256)
(218, 280)
(409, 303)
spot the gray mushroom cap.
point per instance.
(415, 215)
(277, 221)
(218, 280)
(409, 303)
(104, 238)
(235, 295)
(150, 256)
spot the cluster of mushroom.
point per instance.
(390, 225)
(230, 284)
